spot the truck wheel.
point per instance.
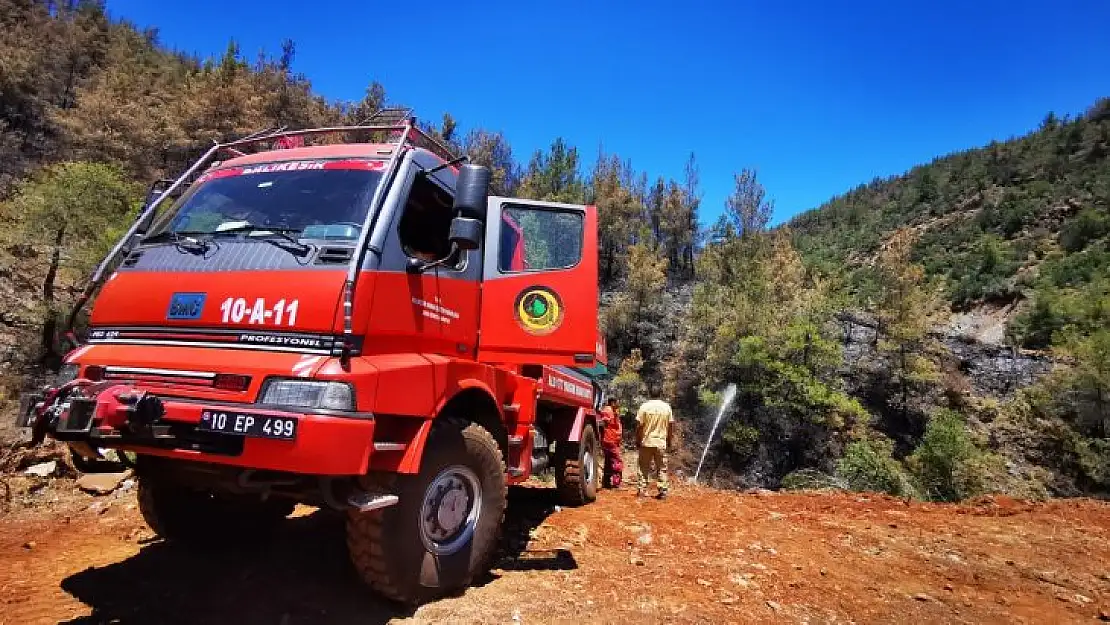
(446, 526)
(177, 513)
(577, 468)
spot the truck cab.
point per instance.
(357, 326)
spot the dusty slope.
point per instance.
(702, 556)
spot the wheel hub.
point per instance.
(590, 465)
(453, 506)
(452, 503)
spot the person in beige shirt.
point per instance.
(654, 435)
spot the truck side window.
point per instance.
(539, 239)
(426, 222)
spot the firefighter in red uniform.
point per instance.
(611, 436)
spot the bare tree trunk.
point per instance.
(49, 323)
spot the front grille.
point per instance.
(174, 377)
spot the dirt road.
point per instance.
(701, 556)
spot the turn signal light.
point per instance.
(231, 382)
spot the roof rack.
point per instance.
(397, 124)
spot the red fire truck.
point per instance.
(342, 317)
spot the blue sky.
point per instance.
(818, 96)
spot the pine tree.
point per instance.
(748, 207)
(908, 308)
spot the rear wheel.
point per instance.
(445, 528)
(177, 513)
(578, 468)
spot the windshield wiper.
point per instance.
(301, 249)
(184, 240)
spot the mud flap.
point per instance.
(429, 571)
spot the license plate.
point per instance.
(247, 424)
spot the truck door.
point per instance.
(539, 291)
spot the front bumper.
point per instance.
(325, 444)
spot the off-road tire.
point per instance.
(385, 545)
(575, 485)
(180, 514)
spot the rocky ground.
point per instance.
(701, 556)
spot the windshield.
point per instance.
(316, 199)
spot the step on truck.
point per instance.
(345, 318)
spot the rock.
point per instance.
(127, 485)
(44, 469)
(922, 597)
(29, 545)
(948, 587)
(644, 539)
(101, 483)
(774, 605)
(775, 516)
(1084, 599)
(1104, 614)
(705, 582)
(824, 572)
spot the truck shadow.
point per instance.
(301, 575)
(529, 507)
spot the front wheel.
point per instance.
(445, 528)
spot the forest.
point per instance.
(836, 327)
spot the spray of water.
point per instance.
(726, 400)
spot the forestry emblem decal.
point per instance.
(539, 310)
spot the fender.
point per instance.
(464, 385)
(571, 430)
(400, 439)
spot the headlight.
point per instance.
(308, 394)
(67, 373)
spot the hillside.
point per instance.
(702, 556)
(995, 223)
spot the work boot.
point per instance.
(641, 492)
(662, 495)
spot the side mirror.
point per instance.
(472, 191)
(466, 233)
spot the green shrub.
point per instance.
(1079, 268)
(947, 464)
(811, 479)
(867, 465)
(1087, 226)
